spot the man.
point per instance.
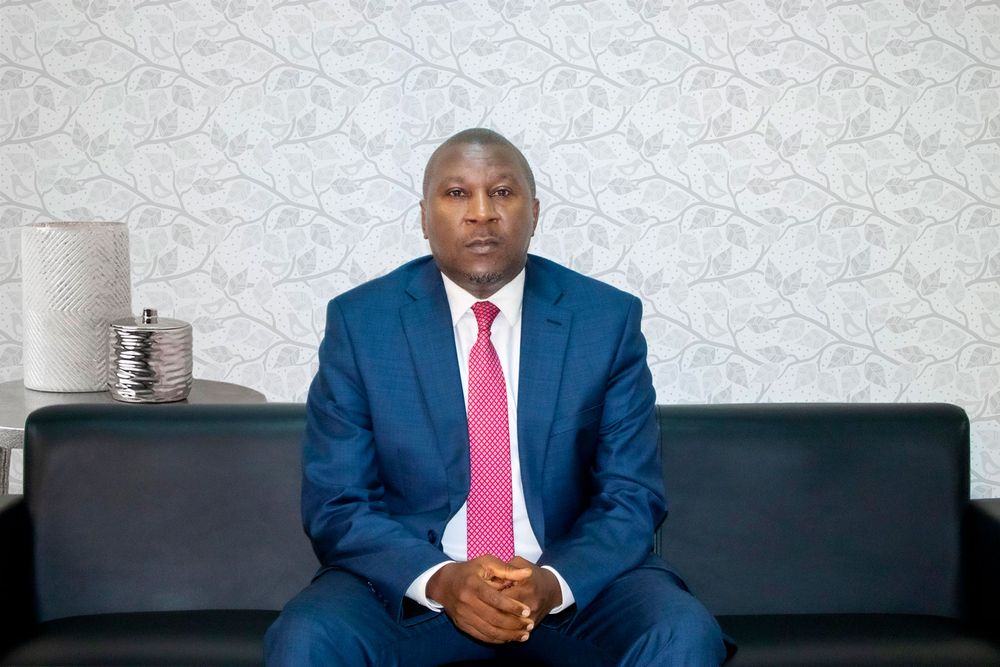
(481, 472)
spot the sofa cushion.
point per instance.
(152, 638)
(856, 639)
(817, 509)
(141, 508)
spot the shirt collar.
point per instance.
(508, 299)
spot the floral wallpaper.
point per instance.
(805, 194)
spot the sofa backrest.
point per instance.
(774, 508)
(820, 508)
(165, 507)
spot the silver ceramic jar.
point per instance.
(150, 359)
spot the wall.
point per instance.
(804, 193)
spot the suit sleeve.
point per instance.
(342, 496)
(614, 533)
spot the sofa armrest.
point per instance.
(981, 550)
(17, 612)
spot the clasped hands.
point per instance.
(494, 601)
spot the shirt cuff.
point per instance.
(417, 591)
(567, 594)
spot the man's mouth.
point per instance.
(483, 246)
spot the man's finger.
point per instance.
(506, 604)
(504, 571)
(498, 626)
(518, 561)
(499, 633)
(491, 636)
(500, 609)
(475, 633)
(492, 567)
(499, 584)
(516, 573)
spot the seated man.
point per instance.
(480, 472)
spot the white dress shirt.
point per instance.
(506, 338)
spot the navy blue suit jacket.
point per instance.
(386, 451)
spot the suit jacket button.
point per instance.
(432, 537)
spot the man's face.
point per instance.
(478, 216)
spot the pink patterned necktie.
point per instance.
(490, 514)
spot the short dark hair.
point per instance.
(479, 136)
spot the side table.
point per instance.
(16, 402)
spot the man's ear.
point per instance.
(534, 215)
(423, 217)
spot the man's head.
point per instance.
(479, 210)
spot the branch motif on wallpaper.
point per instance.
(804, 193)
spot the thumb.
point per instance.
(494, 568)
(519, 569)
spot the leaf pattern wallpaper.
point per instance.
(805, 194)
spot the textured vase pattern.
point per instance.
(150, 366)
(75, 282)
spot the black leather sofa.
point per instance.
(819, 534)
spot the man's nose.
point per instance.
(481, 208)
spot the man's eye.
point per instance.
(454, 193)
(502, 192)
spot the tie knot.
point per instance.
(485, 313)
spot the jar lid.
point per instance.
(149, 321)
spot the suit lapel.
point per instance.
(431, 338)
(545, 331)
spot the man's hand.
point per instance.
(540, 591)
(470, 594)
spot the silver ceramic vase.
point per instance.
(150, 359)
(75, 280)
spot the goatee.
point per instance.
(485, 278)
